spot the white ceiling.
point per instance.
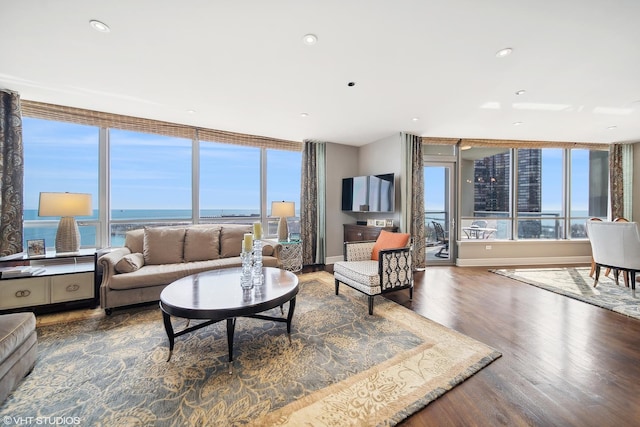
(242, 66)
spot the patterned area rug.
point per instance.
(342, 367)
(575, 282)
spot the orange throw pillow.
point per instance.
(389, 240)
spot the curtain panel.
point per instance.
(312, 211)
(413, 197)
(11, 173)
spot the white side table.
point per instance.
(291, 255)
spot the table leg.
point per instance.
(167, 327)
(292, 307)
(231, 326)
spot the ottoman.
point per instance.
(18, 348)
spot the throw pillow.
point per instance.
(201, 244)
(163, 245)
(130, 263)
(389, 240)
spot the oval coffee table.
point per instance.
(216, 295)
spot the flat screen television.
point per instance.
(372, 193)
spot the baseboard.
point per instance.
(333, 259)
(495, 262)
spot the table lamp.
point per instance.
(67, 206)
(283, 210)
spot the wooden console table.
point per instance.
(360, 233)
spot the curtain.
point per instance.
(312, 211)
(412, 192)
(11, 173)
(621, 179)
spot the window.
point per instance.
(229, 182)
(589, 188)
(284, 172)
(486, 191)
(150, 181)
(59, 157)
(555, 190)
(540, 193)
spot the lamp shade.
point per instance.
(65, 204)
(283, 209)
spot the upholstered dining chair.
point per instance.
(625, 275)
(615, 245)
(593, 263)
(376, 268)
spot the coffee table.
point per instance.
(216, 296)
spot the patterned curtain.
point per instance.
(413, 197)
(11, 173)
(312, 211)
(621, 180)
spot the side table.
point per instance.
(291, 255)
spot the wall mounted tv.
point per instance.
(372, 193)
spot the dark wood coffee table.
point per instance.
(216, 295)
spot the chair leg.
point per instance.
(595, 280)
(411, 293)
(370, 305)
(593, 268)
(337, 285)
(632, 279)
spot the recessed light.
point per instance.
(465, 147)
(191, 111)
(304, 114)
(415, 119)
(310, 39)
(521, 92)
(504, 52)
(612, 127)
(517, 123)
(99, 26)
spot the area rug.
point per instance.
(341, 367)
(575, 282)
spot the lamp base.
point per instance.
(283, 230)
(68, 235)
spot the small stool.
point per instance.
(18, 350)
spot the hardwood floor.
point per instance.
(564, 362)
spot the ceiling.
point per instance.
(421, 66)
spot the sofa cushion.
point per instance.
(130, 263)
(134, 240)
(231, 239)
(201, 244)
(389, 240)
(163, 245)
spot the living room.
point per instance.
(255, 77)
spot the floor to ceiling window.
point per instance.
(555, 190)
(153, 179)
(59, 157)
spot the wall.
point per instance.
(342, 162)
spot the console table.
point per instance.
(59, 282)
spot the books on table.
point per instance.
(20, 271)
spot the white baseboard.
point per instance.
(494, 262)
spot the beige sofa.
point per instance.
(152, 258)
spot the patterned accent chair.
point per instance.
(392, 271)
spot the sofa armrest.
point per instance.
(395, 267)
(107, 262)
(358, 251)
